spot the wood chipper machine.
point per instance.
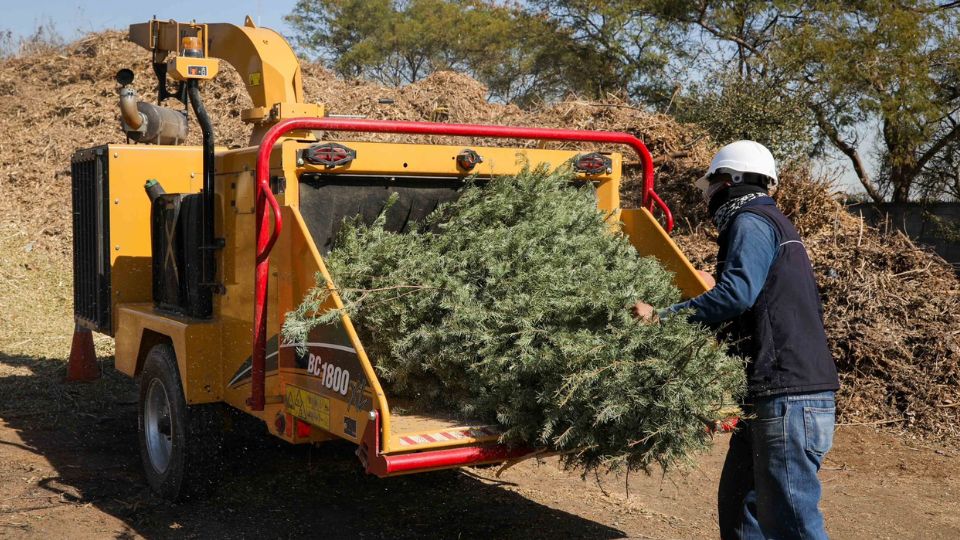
(189, 256)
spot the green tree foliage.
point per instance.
(830, 74)
(520, 56)
(511, 305)
(626, 36)
(730, 108)
(854, 65)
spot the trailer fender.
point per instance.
(195, 343)
(148, 340)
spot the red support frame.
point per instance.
(264, 196)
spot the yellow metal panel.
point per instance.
(288, 168)
(263, 58)
(183, 68)
(234, 188)
(209, 352)
(165, 35)
(179, 170)
(441, 160)
(651, 240)
(266, 63)
(244, 202)
(298, 110)
(608, 195)
(196, 343)
(298, 262)
(337, 409)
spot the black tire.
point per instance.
(181, 446)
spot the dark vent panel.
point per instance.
(327, 199)
(91, 239)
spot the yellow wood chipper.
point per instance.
(189, 256)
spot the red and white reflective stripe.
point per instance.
(451, 435)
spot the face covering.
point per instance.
(709, 189)
(712, 190)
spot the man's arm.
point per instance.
(753, 247)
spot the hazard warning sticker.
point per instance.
(312, 408)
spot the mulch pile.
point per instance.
(892, 309)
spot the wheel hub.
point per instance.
(157, 426)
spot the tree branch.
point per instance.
(720, 34)
(937, 146)
(849, 150)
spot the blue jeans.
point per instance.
(769, 486)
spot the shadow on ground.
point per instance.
(87, 432)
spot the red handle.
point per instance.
(264, 195)
(265, 241)
(667, 214)
(264, 251)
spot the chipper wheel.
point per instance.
(181, 445)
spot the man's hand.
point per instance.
(707, 279)
(645, 312)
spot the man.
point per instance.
(767, 302)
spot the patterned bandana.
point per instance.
(723, 215)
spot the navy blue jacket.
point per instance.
(751, 249)
(771, 303)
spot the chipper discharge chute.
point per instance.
(192, 276)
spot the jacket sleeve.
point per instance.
(752, 250)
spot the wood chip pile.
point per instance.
(892, 309)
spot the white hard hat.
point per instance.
(740, 159)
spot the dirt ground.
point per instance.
(69, 468)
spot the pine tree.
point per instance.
(511, 305)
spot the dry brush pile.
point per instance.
(891, 307)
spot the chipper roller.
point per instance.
(189, 256)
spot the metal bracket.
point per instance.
(278, 184)
(218, 243)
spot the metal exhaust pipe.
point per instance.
(132, 118)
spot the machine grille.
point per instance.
(91, 239)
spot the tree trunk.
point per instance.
(849, 150)
(901, 154)
(902, 178)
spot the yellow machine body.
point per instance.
(210, 353)
(333, 390)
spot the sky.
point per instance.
(74, 18)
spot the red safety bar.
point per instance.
(264, 195)
(383, 465)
